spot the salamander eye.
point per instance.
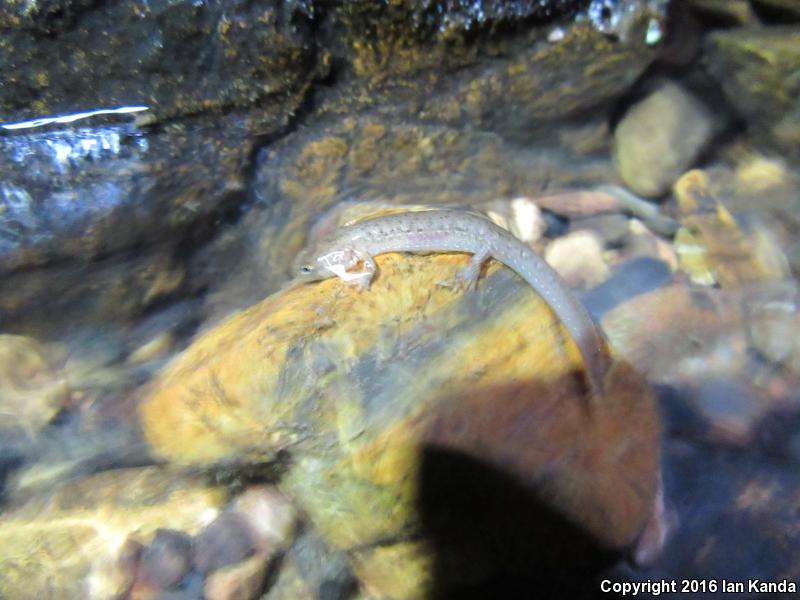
(306, 269)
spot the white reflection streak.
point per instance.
(73, 117)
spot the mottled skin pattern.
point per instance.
(349, 253)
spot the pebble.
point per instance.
(167, 559)
(227, 540)
(659, 138)
(732, 406)
(243, 581)
(578, 258)
(269, 515)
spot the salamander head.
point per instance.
(307, 267)
(347, 264)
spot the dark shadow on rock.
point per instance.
(493, 538)
(527, 491)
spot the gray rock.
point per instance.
(227, 540)
(167, 559)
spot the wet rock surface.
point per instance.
(180, 58)
(72, 541)
(756, 68)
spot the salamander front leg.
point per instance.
(363, 278)
(351, 266)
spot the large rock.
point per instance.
(82, 199)
(757, 69)
(178, 58)
(446, 63)
(371, 398)
(75, 205)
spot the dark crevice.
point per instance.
(770, 14)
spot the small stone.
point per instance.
(156, 348)
(644, 243)
(243, 581)
(527, 223)
(521, 216)
(758, 174)
(731, 407)
(659, 138)
(772, 321)
(578, 258)
(227, 540)
(167, 559)
(632, 278)
(270, 516)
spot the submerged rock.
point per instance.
(659, 138)
(676, 333)
(578, 258)
(757, 69)
(71, 541)
(713, 247)
(242, 581)
(91, 235)
(227, 540)
(781, 7)
(167, 559)
(33, 389)
(495, 65)
(373, 394)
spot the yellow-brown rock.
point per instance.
(71, 543)
(32, 388)
(713, 248)
(357, 387)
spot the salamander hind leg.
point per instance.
(467, 277)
